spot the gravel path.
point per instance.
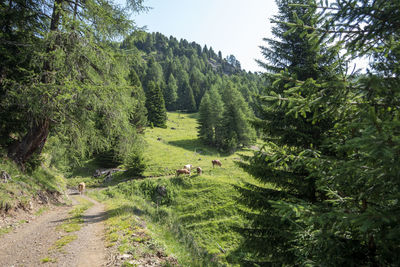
(32, 242)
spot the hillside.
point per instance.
(196, 217)
(184, 70)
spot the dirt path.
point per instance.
(34, 241)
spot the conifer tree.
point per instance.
(154, 72)
(170, 93)
(283, 163)
(234, 128)
(350, 216)
(138, 116)
(205, 128)
(156, 112)
(73, 74)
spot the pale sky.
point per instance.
(231, 26)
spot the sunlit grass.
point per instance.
(63, 241)
(196, 220)
(74, 223)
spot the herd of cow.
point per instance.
(186, 170)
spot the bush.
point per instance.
(135, 165)
(151, 190)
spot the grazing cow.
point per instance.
(81, 188)
(188, 167)
(216, 162)
(199, 170)
(182, 171)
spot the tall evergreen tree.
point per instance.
(282, 164)
(205, 128)
(234, 126)
(138, 115)
(156, 112)
(348, 213)
(154, 72)
(170, 93)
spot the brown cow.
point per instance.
(81, 188)
(216, 162)
(199, 170)
(182, 171)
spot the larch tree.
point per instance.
(73, 77)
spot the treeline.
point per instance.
(184, 76)
(330, 165)
(185, 71)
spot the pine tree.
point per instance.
(350, 218)
(154, 72)
(170, 93)
(138, 115)
(283, 164)
(234, 125)
(156, 112)
(205, 128)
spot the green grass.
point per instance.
(41, 210)
(131, 230)
(5, 230)
(74, 223)
(47, 259)
(18, 192)
(196, 219)
(63, 241)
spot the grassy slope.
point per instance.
(18, 192)
(199, 211)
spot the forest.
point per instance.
(80, 81)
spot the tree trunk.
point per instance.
(31, 143)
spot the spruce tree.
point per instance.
(138, 116)
(234, 125)
(170, 93)
(156, 112)
(205, 128)
(350, 218)
(282, 164)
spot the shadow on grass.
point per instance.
(193, 115)
(87, 169)
(195, 145)
(124, 209)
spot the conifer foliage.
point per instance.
(73, 83)
(184, 70)
(225, 118)
(329, 164)
(156, 112)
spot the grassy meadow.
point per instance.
(195, 218)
